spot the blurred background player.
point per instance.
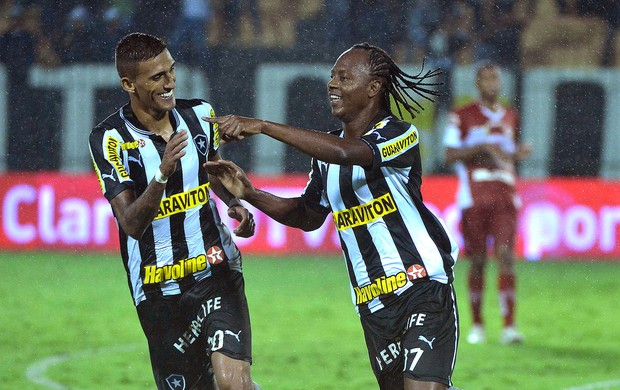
(481, 140)
(368, 175)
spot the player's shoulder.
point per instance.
(199, 106)
(467, 108)
(113, 121)
(192, 104)
(511, 110)
(391, 124)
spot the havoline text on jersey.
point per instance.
(187, 240)
(389, 238)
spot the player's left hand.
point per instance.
(234, 127)
(247, 225)
(524, 151)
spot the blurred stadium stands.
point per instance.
(271, 58)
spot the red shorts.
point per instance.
(493, 215)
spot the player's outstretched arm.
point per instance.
(322, 146)
(288, 211)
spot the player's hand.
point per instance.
(231, 176)
(523, 151)
(494, 155)
(246, 225)
(234, 127)
(175, 149)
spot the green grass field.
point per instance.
(67, 322)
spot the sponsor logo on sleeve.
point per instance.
(364, 213)
(399, 145)
(216, 131)
(113, 148)
(133, 144)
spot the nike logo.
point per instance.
(235, 335)
(427, 341)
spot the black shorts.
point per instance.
(183, 330)
(415, 337)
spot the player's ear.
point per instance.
(128, 85)
(374, 87)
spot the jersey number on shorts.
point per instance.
(217, 341)
(417, 354)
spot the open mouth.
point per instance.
(334, 98)
(166, 95)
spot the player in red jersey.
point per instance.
(481, 140)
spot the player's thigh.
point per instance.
(227, 326)
(429, 343)
(414, 338)
(475, 229)
(504, 223)
(175, 346)
(381, 332)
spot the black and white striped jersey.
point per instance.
(187, 241)
(389, 238)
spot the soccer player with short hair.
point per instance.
(481, 139)
(398, 255)
(183, 268)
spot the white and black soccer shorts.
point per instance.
(416, 336)
(183, 330)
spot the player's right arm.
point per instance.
(135, 215)
(292, 212)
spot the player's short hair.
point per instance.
(398, 84)
(485, 65)
(135, 48)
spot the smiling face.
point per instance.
(152, 89)
(350, 85)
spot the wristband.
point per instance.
(160, 177)
(234, 202)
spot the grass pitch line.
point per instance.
(36, 372)
(611, 384)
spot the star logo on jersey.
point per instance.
(201, 143)
(416, 271)
(215, 255)
(176, 382)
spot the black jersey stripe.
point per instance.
(167, 250)
(398, 231)
(383, 225)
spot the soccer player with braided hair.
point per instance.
(398, 255)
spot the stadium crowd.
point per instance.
(228, 39)
(447, 32)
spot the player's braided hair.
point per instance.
(399, 84)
